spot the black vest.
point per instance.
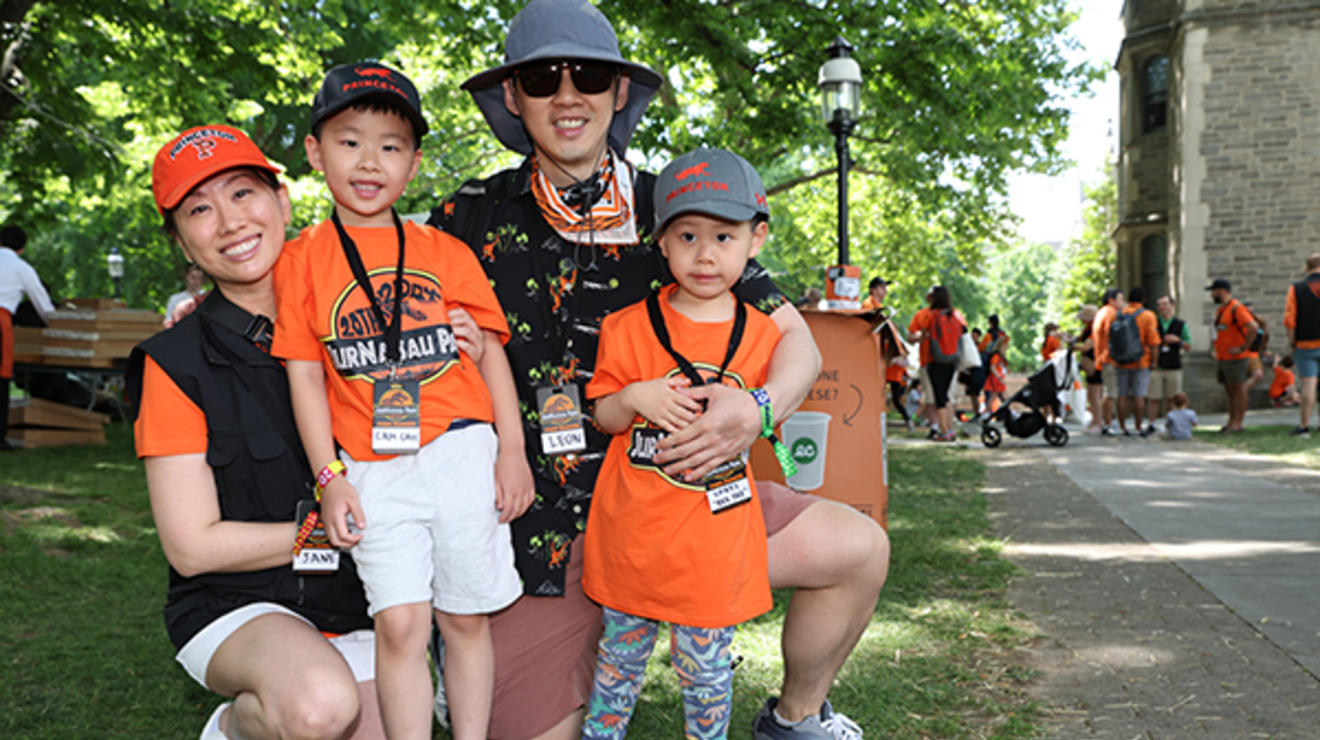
(1169, 356)
(1308, 308)
(258, 463)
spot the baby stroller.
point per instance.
(1040, 392)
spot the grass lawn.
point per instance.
(82, 580)
(1271, 441)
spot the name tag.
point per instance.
(396, 417)
(727, 486)
(316, 556)
(560, 411)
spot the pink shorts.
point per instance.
(545, 647)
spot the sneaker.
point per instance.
(1109, 431)
(1149, 430)
(212, 729)
(441, 702)
(828, 725)
(1126, 433)
(1301, 432)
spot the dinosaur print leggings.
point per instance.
(701, 657)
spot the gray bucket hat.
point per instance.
(554, 30)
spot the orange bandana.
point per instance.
(609, 220)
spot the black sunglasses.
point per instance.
(541, 80)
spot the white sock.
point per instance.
(780, 718)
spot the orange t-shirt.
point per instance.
(1290, 321)
(325, 317)
(1149, 328)
(870, 303)
(1283, 380)
(1230, 330)
(653, 548)
(1049, 347)
(984, 344)
(168, 422)
(922, 321)
(1104, 318)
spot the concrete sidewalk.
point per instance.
(1179, 582)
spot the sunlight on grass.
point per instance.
(64, 535)
(1270, 441)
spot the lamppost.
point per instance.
(840, 96)
(114, 262)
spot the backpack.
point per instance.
(945, 332)
(1125, 345)
(1262, 339)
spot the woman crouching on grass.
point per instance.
(226, 473)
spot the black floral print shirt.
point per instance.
(554, 294)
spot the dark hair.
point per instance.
(1179, 400)
(13, 237)
(1286, 361)
(1049, 327)
(1110, 295)
(994, 320)
(939, 298)
(376, 104)
(876, 282)
(1166, 295)
(266, 176)
(1137, 294)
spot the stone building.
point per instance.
(1219, 164)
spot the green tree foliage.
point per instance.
(1023, 291)
(1091, 257)
(956, 96)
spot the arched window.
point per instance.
(1155, 97)
(1154, 267)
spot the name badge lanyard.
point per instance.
(662, 334)
(392, 328)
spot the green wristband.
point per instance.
(768, 431)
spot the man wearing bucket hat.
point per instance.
(565, 239)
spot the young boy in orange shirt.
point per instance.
(690, 552)
(1283, 391)
(379, 367)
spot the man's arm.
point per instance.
(35, 291)
(732, 421)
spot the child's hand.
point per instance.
(514, 488)
(663, 403)
(339, 499)
(470, 338)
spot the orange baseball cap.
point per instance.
(195, 155)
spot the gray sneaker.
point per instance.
(828, 725)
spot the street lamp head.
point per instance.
(840, 85)
(115, 263)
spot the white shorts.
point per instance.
(432, 531)
(358, 648)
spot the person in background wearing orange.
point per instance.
(1283, 391)
(936, 377)
(878, 288)
(1104, 318)
(992, 345)
(1134, 377)
(1234, 332)
(1051, 343)
(1301, 316)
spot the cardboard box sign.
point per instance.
(851, 389)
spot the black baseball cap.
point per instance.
(349, 83)
(1220, 284)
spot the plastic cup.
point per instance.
(805, 433)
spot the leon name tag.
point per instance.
(560, 409)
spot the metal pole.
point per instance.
(841, 146)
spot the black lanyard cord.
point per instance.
(662, 334)
(392, 329)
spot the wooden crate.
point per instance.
(35, 422)
(31, 437)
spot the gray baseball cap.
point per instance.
(714, 182)
(556, 30)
